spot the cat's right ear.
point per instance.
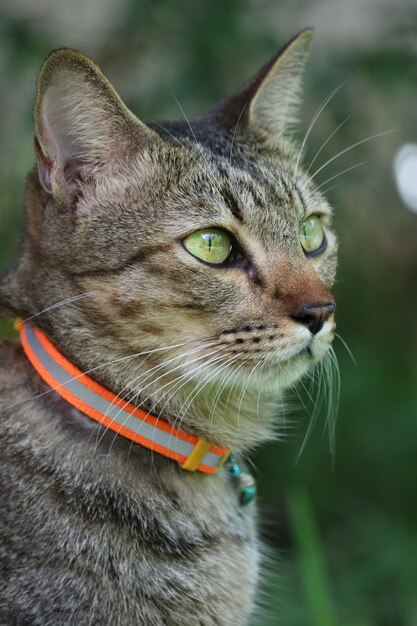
(81, 124)
(267, 105)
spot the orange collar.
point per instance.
(124, 418)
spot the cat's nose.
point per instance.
(314, 315)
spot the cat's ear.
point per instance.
(268, 103)
(81, 124)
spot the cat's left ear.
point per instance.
(267, 105)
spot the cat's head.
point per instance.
(202, 245)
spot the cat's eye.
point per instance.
(211, 245)
(312, 237)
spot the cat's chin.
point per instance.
(273, 376)
(281, 375)
(239, 406)
(291, 369)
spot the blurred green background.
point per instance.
(342, 536)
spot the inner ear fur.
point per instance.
(81, 123)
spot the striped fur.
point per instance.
(98, 531)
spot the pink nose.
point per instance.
(314, 315)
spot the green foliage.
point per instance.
(311, 564)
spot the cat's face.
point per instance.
(206, 247)
(153, 291)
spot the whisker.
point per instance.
(348, 350)
(244, 389)
(187, 376)
(132, 400)
(314, 413)
(172, 389)
(178, 378)
(348, 169)
(112, 362)
(234, 134)
(232, 387)
(258, 399)
(328, 190)
(326, 142)
(148, 374)
(117, 432)
(181, 412)
(332, 367)
(185, 117)
(316, 116)
(200, 386)
(220, 391)
(357, 143)
(79, 296)
(154, 369)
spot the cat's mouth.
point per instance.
(313, 352)
(304, 355)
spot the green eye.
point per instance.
(211, 245)
(312, 236)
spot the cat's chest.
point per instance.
(200, 567)
(119, 536)
(175, 554)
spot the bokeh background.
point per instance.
(342, 532)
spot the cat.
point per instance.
(186, 268)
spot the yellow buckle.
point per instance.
(192, 463)
(17, 324)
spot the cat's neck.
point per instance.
(231, 411)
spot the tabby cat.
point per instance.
(185, 268)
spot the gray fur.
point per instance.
(95, 530)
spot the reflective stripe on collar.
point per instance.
(125, 419)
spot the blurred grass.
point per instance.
(311, 560)
(6, 329)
